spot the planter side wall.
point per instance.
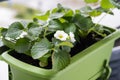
(21, 75)
(88, 66)
(83, 69)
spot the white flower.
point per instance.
(72, 37)
(22, 35)
(61, 35)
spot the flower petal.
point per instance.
(61, 35)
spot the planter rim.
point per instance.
(45, 73)
(48, 73)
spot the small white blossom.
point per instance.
(61, 35)
(72, 37)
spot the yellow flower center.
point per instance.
(60, 36)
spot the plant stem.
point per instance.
(46, 28)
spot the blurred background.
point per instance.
(16, 10)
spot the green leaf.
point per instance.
(22, 45)
(69, 13)
(77, 11)
(34, 32)
(44, 60)
(116, 3)
(61, 12)
(60, 60)
(55, 25)
(3, 31)
(54, 10)
(104, 10)
(85, 11)
(40, 48)
(70, 27)
(95, 13)
(44, 16)
(8, 43)
(55, 41)
(62, 20)
(60, 7)
(56, 15)
(14, 30)
(83, 34)
(65, 44)
(32, 24)
(100, 34)
(24, 23)
(106, 4)
(84, 23)
(66, 48)
(88, 11)
(91, 1)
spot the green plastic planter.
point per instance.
(90, 64)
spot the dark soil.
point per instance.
(84, 43)
(28, 59)
(25, 58)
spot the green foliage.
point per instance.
(115, 3)
(55, 25)
(95, 13)
(55, 34)
(44, 60)
(106, 4)
(70, 27)
(3, 31)
(22, 45)
(91, 1)
(8, 43)
(84, 23)
(40, 48)
(88, 11)
(65, 44)
(14, 30)
(34, 31)
(60, 60)
(43, 16)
